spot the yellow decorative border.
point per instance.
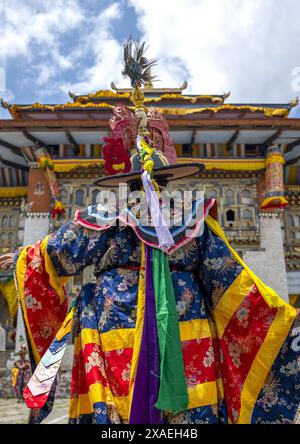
(80, 405)
(279, 201)
(269, 295)
(106, 93)
(83, 404)
(139, 325)
(100, 393)
(263, 362)
(274, 339)
(231, 300)
(194, 329)
(207, 393)
(6, 192)
(56, 282)
(124, 337)
(275, 158)
(66, 325)
(65, 165)
(227, 164)
(111, 340)
(268, 112)
(20, 273)
(200, 395)
(9, 293)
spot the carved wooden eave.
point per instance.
(292, 258)
(12, 202)
(292, 194)
(176, 90)
(219, 174)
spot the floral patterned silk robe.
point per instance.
(240, 341)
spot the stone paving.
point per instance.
(13, 413)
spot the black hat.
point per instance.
(161, 170)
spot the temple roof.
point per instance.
(192, 119)
(152, 95)
(169, 102)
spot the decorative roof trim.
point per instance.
(268, 112)
(243, 164)
(8, 192)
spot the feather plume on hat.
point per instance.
(136, 66)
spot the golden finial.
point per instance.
(4, 104)
(226, 95)
(294, 102)
(184, 85)
(138, 99)
(113, 86)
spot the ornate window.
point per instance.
(64, 197)
(12, 221)
(230, 217)
(10, 237)
(245, 197)
(79, 197)
(290, 220)
(187, 150)
(212, 194)
(297, 221)
(229, 197)
(94, 196)
(39, 188)
(247, 217)
(4, 221)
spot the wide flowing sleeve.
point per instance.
(256, 335)
(42, 271)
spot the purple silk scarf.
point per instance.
(146, 385)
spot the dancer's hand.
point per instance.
(7, 261)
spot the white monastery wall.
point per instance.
(269, 264)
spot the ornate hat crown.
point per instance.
(144, 130)
(121, 142)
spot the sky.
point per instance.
(248, 47)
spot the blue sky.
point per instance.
(248, 47)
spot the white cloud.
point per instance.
(36, 27)
(45, 73)
(247, 46)
(8, 96)
(106, 50)
(36, 22)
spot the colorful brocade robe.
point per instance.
(240, 342)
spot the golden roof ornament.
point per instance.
(4, 104)
(294, 102)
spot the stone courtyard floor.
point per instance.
(13, 413)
